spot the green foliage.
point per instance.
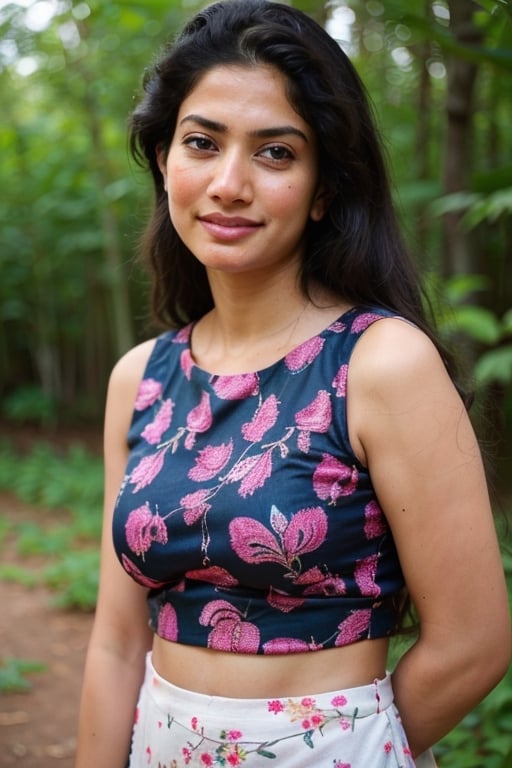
(5, 529)
(18, 575)
(30, 404)
(70, 292)
(476, 207)
(458, 315)
(73, 204)
(75, 578)
(33, 539)
(70, 485)
(455, 314)
(47, 478)
(495, 366)
(13, 673)
(484, 738)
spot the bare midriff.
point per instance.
(235, 675)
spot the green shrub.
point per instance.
(17, 574)
(12, 674)
(75, 577)
(30, 405)
(71, 486)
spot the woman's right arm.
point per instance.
(120, 636)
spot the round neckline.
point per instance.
(261, 371)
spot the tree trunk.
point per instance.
(461, 77)
(123, 336)
(423, 131)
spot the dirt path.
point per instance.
(37, 728)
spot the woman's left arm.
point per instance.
(410, 426)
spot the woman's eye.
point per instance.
(277, 153)
(200, 143)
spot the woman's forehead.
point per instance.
(259, 90)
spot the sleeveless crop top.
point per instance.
(244, 510)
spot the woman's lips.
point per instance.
(228, 227)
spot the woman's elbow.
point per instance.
(494, 654)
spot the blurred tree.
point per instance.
(458, 154)
(71, 295)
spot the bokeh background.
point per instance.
(73, 296)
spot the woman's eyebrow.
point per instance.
(261, 133)
(204, 122)
(281, 130)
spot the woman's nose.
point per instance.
(231, 181)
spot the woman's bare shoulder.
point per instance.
(396, 374)
(393, 348)
(129, 369)
(125, 381)
(122, 393)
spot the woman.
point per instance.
(293, 459)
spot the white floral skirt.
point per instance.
(354, 728)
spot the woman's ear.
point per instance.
(161, 159)
(320, 204)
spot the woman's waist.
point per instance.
(221, 673)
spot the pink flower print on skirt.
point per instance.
(354, 728)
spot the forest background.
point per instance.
(73, 297)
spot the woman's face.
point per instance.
(242, 172)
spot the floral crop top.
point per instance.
(244, 509)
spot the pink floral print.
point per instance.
(137, 574)
(153, 432)
(374, 524)
(243, 503)
(230, 632)
(363, 321)
(213, 575)
(195, 506)
(255, 544)
(263, 420)
(229, 747)
(210, 461)
(286, 645)
(149, 392)
(338, 326)
(282, 601)
(182, 336)
(333, 479)
(339, 382)
(168, 623)
(316, 417)
(323, 729)
(304, 355)
(146, 470)
(199, 419)
(143, 528)
(366, 570)
(256, 472)
(353, 628)
(186, 363)
(236, 387)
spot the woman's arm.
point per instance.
(120, 637)
(409, 425)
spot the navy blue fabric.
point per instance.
(244, 509)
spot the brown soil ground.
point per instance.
(38, 727)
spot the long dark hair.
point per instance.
(356, 251)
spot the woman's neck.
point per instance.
(249, 330)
